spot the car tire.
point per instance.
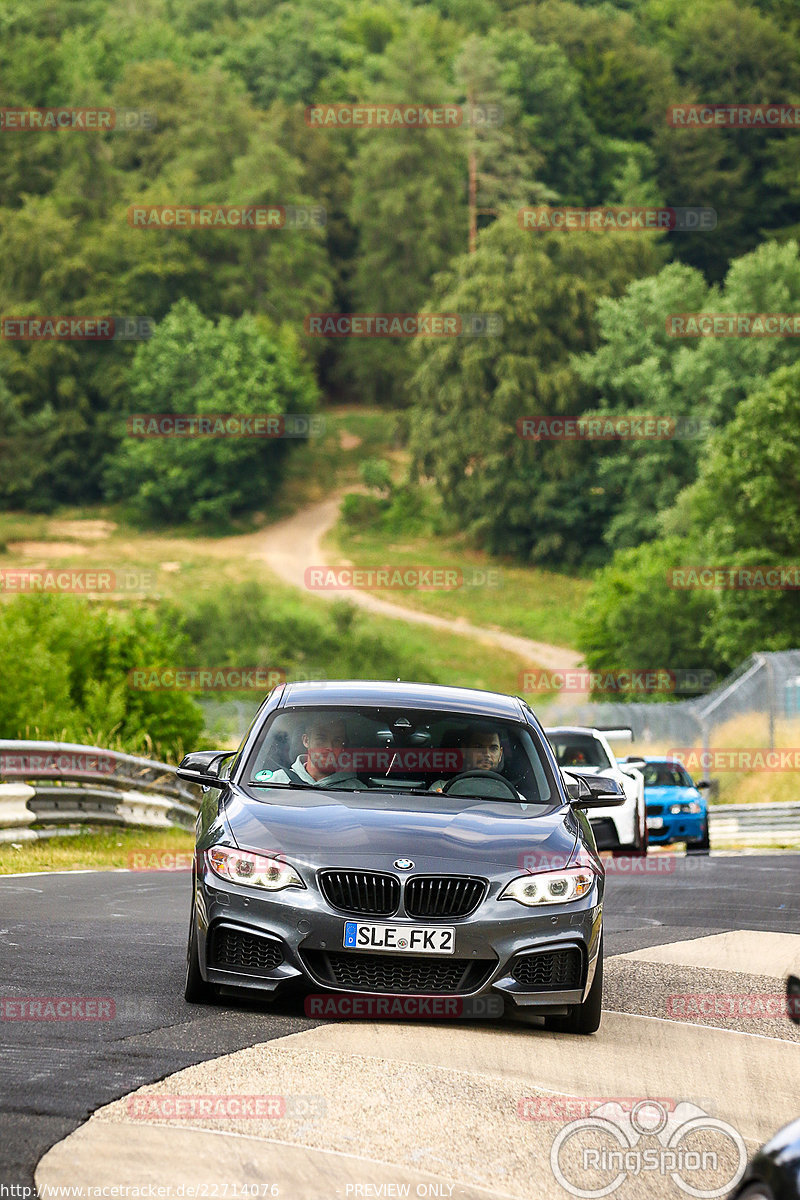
(703, 843)
(584, 1018)
(196, 989)
(755, 1191)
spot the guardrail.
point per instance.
(754, 823)
(45, 786)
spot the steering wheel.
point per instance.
(476, 774)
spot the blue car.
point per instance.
(676, 809)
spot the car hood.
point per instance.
(359, 829)
(672, 795)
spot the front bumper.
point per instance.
(308, 933)
(676, 827)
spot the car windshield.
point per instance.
(578, 750)
(388, 749)
(666, 775)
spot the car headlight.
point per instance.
(549, 887)
(692, 807)
(253, 870)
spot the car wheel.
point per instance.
(755, 1191)
(196, 989)
(584, 1018)
(703, 843)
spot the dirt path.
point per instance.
(291, 546)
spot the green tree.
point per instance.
(71, 675)
(633, 618)
(409, 207)
(193, 366)
(537, 500)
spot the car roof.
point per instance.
(573, 729)
(402, 694)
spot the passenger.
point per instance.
(324, 739)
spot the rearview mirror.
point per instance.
(203, 767)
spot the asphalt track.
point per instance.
(121, 935)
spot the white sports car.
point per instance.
(587, 752)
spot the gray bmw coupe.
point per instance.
(396, 839)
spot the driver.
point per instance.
(482, 751)
(324, 739)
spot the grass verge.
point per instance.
(101, 849)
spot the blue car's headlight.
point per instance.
(253, 870)
(549, 887)
(690, 807)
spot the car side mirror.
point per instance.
(203, 767)
(593, 791)
(793, 999)
(702, 784)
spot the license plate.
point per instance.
(402, 939)
(655, 822)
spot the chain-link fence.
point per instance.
(765, 685)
